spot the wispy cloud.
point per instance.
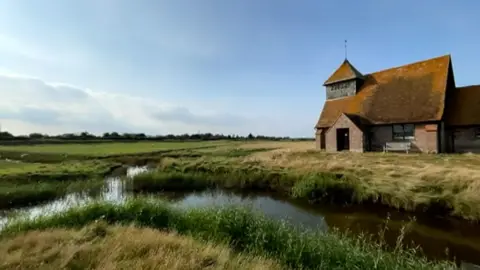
(66, 57)
(74, 109)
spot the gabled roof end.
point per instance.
(346, 71)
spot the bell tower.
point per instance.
(344, 82)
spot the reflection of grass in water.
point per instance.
(437, 184)
(315, 187)
(16, 195)
(398, 180)
(244, 231)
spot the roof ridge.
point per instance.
(409, 64)
(413, 92)
(354, 69)
(346, 71)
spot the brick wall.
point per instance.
(425, 137)
(320, 139)
(465, 141)
(355, 134)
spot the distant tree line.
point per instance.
(6, 137)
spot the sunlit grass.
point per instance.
(106, 149)
(244, 231)
(99, 246)
(32, 172)
(439, 184)
(16, 195)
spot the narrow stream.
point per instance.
(439, 238)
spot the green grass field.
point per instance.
(87, 168)
(107, 149)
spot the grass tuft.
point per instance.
(18, 195)
(99, 246)
(243, 230)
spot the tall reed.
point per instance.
(245, 231)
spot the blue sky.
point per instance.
(235, 66)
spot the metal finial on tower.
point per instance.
(345, 49)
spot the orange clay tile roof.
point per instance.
(409, 93)
(464, 106)
(346, 71)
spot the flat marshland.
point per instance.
(107, 149)
(434, 185)
(438, 184)
(24, 184)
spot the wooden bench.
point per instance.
(397, 146)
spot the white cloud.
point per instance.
(65, 56)
(32, 105)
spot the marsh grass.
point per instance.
(200, 179)
(316, 187)
(23, 184)
(436, 184)
(106, 149)
(18, 195)
(100, 246)
(22, 173)
(244, 231)
(236, 152)
(444, 185)
(39, 157)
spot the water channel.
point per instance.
(438, 238)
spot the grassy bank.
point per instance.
(18, 195)
(318, 187)
(242, 230)
(99, 246)
(23, 184)
(35, 172)
(446, 185)
(437, 184)
(315, 187)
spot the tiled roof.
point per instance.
(358, 120)
(463, 106)
(409, 93)
(346, 71)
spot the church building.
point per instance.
(417, 105)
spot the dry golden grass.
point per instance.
(282, 145)
(408, 181)
(412, 178)
(101, 247)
